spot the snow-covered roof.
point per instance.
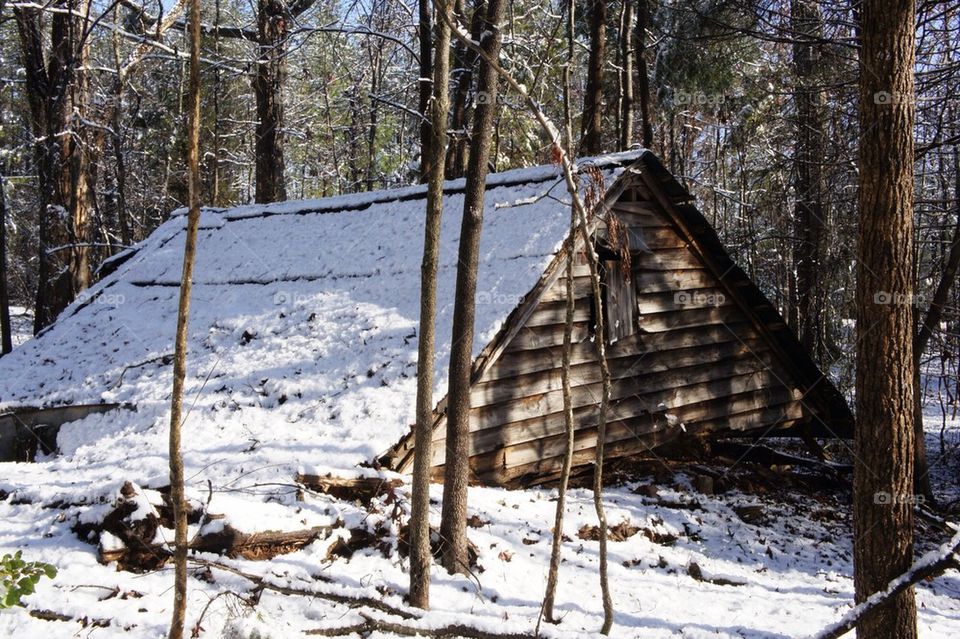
(304, 315)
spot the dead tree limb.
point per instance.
(452, 631)
(931, 565)
(352, 600)
(553, 575)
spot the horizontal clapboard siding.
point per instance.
(695, 363)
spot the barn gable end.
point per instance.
(694, 348)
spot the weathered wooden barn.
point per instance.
(694, 348)
(305, 315)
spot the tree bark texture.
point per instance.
(591, 142)
(57, 90)
(438, 108)
(425, 86)
(884, 436)
(177, 498)
(456, 470)
(272, 19)
(809, 212)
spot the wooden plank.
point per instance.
(691, 403)
(677, 301)
(620, 302)
(557, 292)
(651, 372)
(624, 437)
(661, 237)
(666, 260)
(521, 362)
(548, 468)
(537, 337)
(697, 317)
(679, 280)
(553, 313)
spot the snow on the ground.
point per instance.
(302, 357)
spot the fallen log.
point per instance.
(227, 541)
(50, 615)
(128, 535)
(452, 631)
(349, 488)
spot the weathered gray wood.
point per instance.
(657, 371)
(680, 280)
(620, 302)
(553, 313)
(490, 468)
(659, 409)
(697, 317)
(522, 362)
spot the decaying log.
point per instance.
(50, 615)
(453, 631)
(228, 541)
(134, 523)
(349, 488)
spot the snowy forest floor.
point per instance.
(769, 558)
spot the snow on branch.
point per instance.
(930, 565)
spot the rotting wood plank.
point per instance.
(717, 414)
(586, 438)
(349, 488)
(691, 403)
(522, 362)
(656, 371)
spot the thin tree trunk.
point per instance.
(6, 340)
(809, 212)
(593, 96)
(456, 475)
(177, 498)
(272, 19)
(626, 75)
(116, 139)
(580, 210)
(884, 435)
(926, 326)
(438, 107)
(425, 86)
(643, 80)
(569, 427)
(466, 60)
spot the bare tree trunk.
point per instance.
(425, 86)
(466, 60)
(177, 498)
(438, 107)
(926, 326)
(593, 97)
(569, 426)
(272, 19)
(6, 340)
(580, 210)
(643, 80)
(884, 436)
(57, 91)
(626, 74)
(456, 469)
(809, 213)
